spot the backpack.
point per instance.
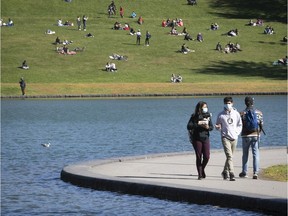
(251, 121)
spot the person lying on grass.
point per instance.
(65, 51)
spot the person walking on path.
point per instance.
(252, 126)
(199, 125)
(84, 19)
(148, 36)
(230, 124)
(22, 85)
(138, 37)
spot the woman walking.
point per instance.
(198, 128)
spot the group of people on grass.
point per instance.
(8, 24)
(229, 47)
(172, 23)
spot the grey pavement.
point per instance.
(174, 176)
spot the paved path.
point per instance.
(174, 177)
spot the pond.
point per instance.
(89, 129)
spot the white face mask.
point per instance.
(228, 106)
(205, 110)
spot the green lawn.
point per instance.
(153, 64)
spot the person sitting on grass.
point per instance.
(65, 51)
(259, 22)
(68, 23)
(192, 2)
(25, 65)
(269, 30)
(233, 33)
(214, 26)
(188, 37)
(57, 40)
(169, 23)
(107, 66)
(117, 26)
(283, 61)
(89, 35)
(111, 67)
(200, 37)
(10, 22)
(179, 22)
(59, 22)
(185, 49)
(133, 14)
(176, 79)
(173, 31)
(132, 31)
(126, 27)
(140, 20)
(218, 47)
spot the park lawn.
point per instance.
(276, 173)
(148, 69)
(59, 89)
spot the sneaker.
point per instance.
(224, 175)
(243, 175)
(255, 176)
(232, 177)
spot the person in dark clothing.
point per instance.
(84, 19)
(22, 85)
(199, 125)
(147, 40)
(250, 138)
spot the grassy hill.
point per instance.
(204, 70)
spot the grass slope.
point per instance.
(153, 64)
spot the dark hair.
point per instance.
(249, 101)
(228, 99)
(198, 108)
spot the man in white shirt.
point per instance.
(230, 124)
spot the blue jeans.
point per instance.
(254, 143)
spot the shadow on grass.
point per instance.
(246, 69)
(275, 10)
(281, 42)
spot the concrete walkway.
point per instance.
(174, 177)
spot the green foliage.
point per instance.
(156, 63)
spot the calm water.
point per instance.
(81, 130)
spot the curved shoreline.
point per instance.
(168, 176)
(139, 95)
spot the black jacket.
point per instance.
(196, 131)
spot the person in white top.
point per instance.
(138, 35)
(229, 122)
